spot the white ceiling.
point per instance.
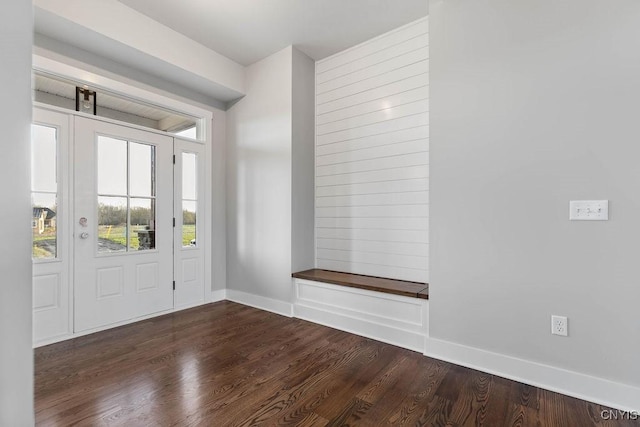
(179, 46)
(55, 32)
(249, 30)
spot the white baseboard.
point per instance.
(593, 389)
(263, 303)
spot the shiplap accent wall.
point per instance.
(372, 156)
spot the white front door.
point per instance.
(123, 224)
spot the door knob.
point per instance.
(84, 235)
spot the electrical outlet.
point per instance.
(559, 325)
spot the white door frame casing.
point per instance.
(130, 89)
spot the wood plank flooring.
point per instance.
(226, 364)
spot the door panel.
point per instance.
(189, 212)
(123, 235)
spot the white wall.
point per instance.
(268, 216)
(16, 355)
(534, 104)
(259, 181)
(372, 156)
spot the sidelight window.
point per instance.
(44, 191)
(189, 198)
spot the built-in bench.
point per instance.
(393, 311)
(371, 283)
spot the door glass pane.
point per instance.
(141, 170)
(112, 166)
(189, 223)
(189, 198)
(143, 233)
(126, 195)
(112, 224)
(43, 223)
(44, 188)
(43, 159)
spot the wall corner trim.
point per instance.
(575, 384)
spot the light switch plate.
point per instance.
(589, 210)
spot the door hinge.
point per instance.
(174, 222)
(174, 285)
(174, 159)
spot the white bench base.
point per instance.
(393, 319)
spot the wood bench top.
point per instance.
(370, 283)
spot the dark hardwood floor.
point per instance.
(226, 364)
